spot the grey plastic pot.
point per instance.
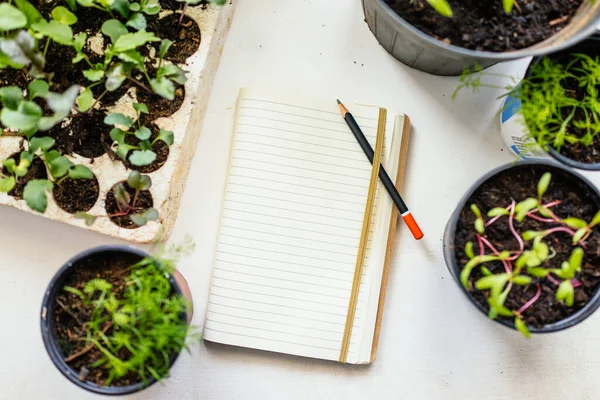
(449, 239)
(48, 324)
(421, 51)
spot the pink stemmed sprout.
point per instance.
(531, 301)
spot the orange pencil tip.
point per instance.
(413, 226)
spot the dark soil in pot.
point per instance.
(158, 106)
(484, 26)
(160, 148)
(520, 183)
(185, 38)
(14, 77)
(37, 170)
(71, 314)
(76, 195)
(144, 202)
(86, 135)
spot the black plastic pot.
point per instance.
(423, 52)
(449, 241)
(590, 46)
(49, 328)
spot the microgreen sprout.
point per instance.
(526, 264)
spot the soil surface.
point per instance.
(14, 77)
(37, 170)
(185, 38)
(520, 183)
(144, 202)
(160, 148)
(86, 135)
(71, 314)
(178, 5)
(158, 106)
(483, 25)
(75, 195)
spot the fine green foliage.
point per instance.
(527, 264)
(443, 7)
(138, 331)
(141, 154)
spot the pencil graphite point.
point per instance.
(343, 109)
(338, 101)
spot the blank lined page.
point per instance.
(290, 228)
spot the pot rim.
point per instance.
(452, 265)
(498, 56)
(49, 335)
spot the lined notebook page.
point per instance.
(290, 228)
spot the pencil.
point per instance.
(385, 178)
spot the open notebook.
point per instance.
(291, 227)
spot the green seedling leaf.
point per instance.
(480, 226)
(576, 259)
(522, 280)
(7, 184)
(165, 45)
(151, 7)
(143, 133)
(118, 119)
(25, 117)
(134, 57)
(166, 136)
(58, 32)
(34, 194)
(30, 12)
(538, 272)
(497, 304)
(138, 181)
(121, 196)
(140, 108)
(120, 6)
(566, 293)
(137, 22)
(79, 41)
(11, 97)
(475, 261)
(142, 219)
(59, 166)
(495, 212)
(142, 158)
(476, 210)
(97, 284)
(117, 135)
(22, 50)
(44, 143)
(579, 235)
(11, 18)
(76, 292)
(62, 103)
(469, 250)
(63, 16)
(529, 235)
(543, 184)
(114, 29)
(115, 77)
(38, 88)
(135, 7)
(596, 220)
(575, 223)
(80, 172)
(93, 75)
(544, 211)
(442, 7)
(173, 72)
(88, 218)
(495, 283)
(522, 208)
(163, 87)
(131, 41)
(519, 324)
(123, 150)
(85, 100)
(541, 250)
(485, 271)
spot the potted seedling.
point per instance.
(114, 319)
(523, 246)
(445, 36)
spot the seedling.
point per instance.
(444, 8)
(193, 2)
(137, 329)
(142, 154)
(526, 264)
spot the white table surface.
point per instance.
(434, 344)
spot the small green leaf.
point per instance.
(34, 194)
(62, 103)
(80, 172)
(485, 271)
(579, 235)
(476, 210)
(151, 7)
(479, 226)
(7, 184)
(522, 280)
(544, 211)
(596, 220)
(140, 108)
(59, 166)
(543, 183)
(522, 208)
(118, 119)
(521, 327)
(135, 7)
(137, 21)
(497, 304)
(63, 16)
(123, 150)
(538, 272)
(26, 117)
(121, 6)
(88, 218)
(58, 32)
(138, 181)
(114, 29)
(469, 250)
(117, 135)
(566, 293)
(38, 88)
(143, 133)
(541, 250)
(121, 196)
(163, 87)
(142, 219)
(575, 223)
(134, 57)
(45, 143)
(11, 18)
(142, 158)
(130, 41)
(79, 41)
(85, 100)
(529, 235)
(442, 7)
(93, 75)
(173, 72)
(494, 212)
(165, 45)
(11, 97)
(166, 136)
(576, 259)
(115, 77)
(30, 12)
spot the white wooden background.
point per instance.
(434, 344)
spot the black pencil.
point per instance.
(385, 178)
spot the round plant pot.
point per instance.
(48, 323)
(513, 128)
(450, 231)
(423, 52)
